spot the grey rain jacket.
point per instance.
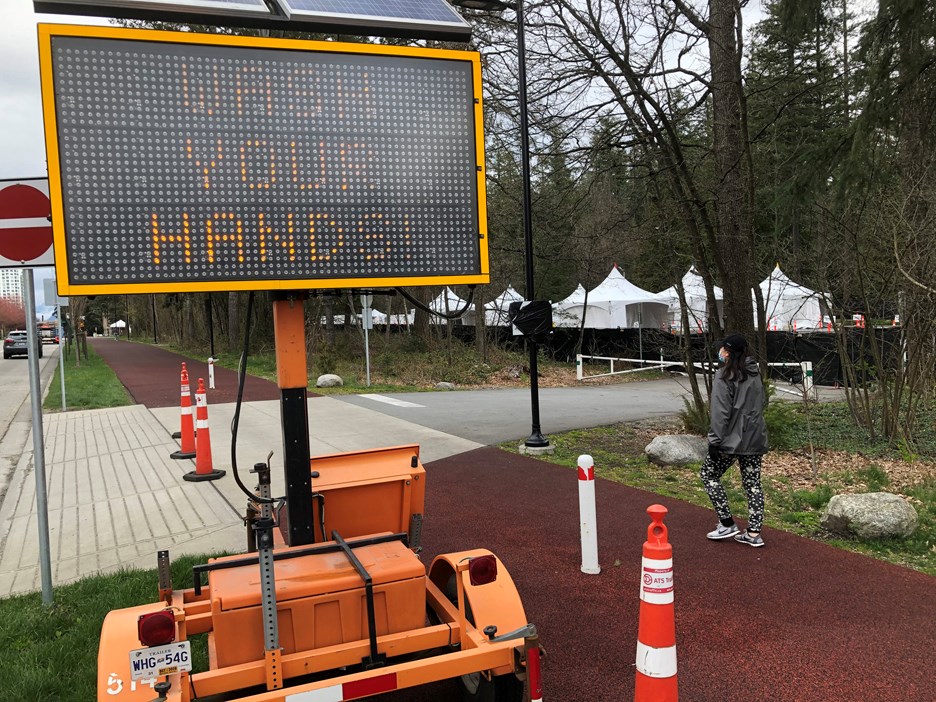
(738, 414)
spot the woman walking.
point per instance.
(738, 432)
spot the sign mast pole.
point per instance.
(35, 397)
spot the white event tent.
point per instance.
(696, 303)
(497, 311)
(615, 304)
(448, 302)
(561, 318)
(789, 306)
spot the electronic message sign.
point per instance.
(192, 162)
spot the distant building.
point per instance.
(11, 285)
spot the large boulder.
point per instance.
(329, 380)
(677, 450)
(870, 515)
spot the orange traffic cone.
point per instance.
(656, 629)
(187, 423)
(203, 466)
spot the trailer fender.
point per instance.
(118, 638)
(497, 603)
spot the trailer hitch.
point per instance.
(521, 633)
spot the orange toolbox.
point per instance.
(321, 601)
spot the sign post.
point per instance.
(367, 320)
(35, 393)
(26, 242)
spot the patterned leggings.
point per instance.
(711, 474)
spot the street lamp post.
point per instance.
(536, 438)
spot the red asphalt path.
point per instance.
(796, 621)
(151, 374)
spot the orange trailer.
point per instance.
(347, 613)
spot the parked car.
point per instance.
(16, 344)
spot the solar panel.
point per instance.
(428, 19)
(411, 11)
(230, 7)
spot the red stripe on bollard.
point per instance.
(588, 515)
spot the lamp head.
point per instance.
(485, 5)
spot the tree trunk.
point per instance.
(421, 319)
(733, 176)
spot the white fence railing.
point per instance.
(805, 368)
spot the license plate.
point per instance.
(160, 660)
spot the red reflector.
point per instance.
(482, 570)
(370, 686)
(156, 628)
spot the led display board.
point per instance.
(191, 162)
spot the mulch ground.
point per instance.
(795, 621)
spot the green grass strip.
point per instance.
(50, 652)
(92, 385)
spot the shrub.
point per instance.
(783, 421)
(815, 499)
(696, 420)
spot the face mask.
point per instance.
(723, 355)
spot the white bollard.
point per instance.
(211, 362)
(806, 367)
(587, 514)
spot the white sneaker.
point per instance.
(723, 532)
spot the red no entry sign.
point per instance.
(25, 230)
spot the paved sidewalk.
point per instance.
(116, 498)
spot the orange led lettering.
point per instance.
(253, 170)
(201, 94)
(254, 92)
(161, 240)
(228, 231)
(205, 163)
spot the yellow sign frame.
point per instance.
(66, 287)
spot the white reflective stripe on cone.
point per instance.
(186, 390)
(201, 400)
(656, 662)
(201, 423)
(186, 410)
(656, 581)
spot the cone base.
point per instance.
(647, 689)
(178, 455)
(195, 477)
(177, 435)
